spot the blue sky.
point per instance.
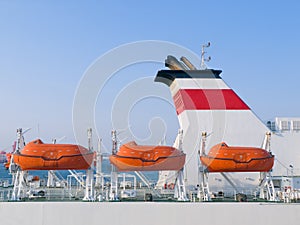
(46, 46)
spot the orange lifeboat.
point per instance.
(39, 156)
(133, 157)
(224, 158)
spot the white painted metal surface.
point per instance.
(147, 213)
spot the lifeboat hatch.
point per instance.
(240, 158)
(148, 156)
(50, 155)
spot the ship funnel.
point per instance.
(188, 63)
(173, 63)
(204, 102)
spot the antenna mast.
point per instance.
(203, 59)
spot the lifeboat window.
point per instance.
(223, 144)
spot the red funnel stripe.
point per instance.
(208, 99)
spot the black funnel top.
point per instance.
(168, 76)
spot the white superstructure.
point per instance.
(286, 146)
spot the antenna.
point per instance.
(203, 59)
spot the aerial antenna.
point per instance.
(203, 59)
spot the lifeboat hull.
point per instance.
(71, 162)
(39, 156)
(223, 158)
(131, 164)
(132, 157)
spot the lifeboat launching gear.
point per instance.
(222, 159)
(89, 180)
(203, 193)
(113, 193)
(19, 167)
(267, 190)
(18, 176)
(180, 187)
